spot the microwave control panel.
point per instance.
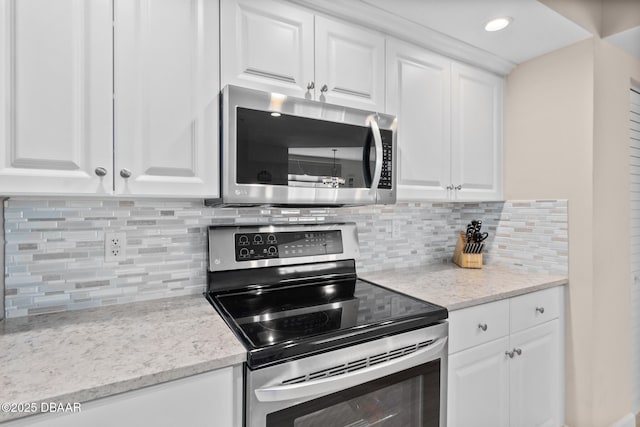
(386, 177)
(256, 246)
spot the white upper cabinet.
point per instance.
(449, 126)
(349, 65)
(476, 135)
(267, 45)
(277, 47)
(55, 92)
(57, 117)
(166, 97)
(418, 93)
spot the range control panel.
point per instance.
(289, 244)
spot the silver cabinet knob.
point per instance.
(450, 187)
(540, 310)
(125, 173)
(510, 354)
(517, 351)
(324, 88)
(311, 85)
(457, 187)
(100, 171)
(482, 326)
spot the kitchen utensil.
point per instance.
(480, 237)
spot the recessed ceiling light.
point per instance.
(498, 24)
(275, 114)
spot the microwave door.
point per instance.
(330, 158)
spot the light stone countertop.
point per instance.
(454, 288)
(83, 355)
(78, 356)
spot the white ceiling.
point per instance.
(628, 40)
(535, 30)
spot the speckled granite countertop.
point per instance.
(455, 288)
(83, 355)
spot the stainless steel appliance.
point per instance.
(325, 348)
(282, 150)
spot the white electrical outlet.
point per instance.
(396, 228)
(115, 246)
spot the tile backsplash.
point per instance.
(55, 248)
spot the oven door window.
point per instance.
(410, 398)
(297, 151)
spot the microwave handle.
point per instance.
(327, 385)
(377, 173)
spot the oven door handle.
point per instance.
(344, 381)
(377, 172)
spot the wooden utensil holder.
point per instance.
(465, 260)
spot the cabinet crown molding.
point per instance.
(369, 16)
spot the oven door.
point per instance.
(285, 150)
(393, 381)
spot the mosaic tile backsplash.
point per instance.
(55, 248)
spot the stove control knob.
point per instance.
(257, 239)
(244, 253)
(243, 240)
(272, 250)
(271, 238)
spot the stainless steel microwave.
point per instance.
(283, 150)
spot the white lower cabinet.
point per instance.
(505, 368)
(534, 379)
(211, 399)
(479, 386)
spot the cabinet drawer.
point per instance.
(535, 308)
(477, 325)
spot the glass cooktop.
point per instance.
(285, 321)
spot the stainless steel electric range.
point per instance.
(325, 348)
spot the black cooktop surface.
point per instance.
(286, 321)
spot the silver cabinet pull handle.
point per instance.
(125, 173)
(482, 326)
(509, 353)
(279, 393)
(450, 187)
(457, 187)
(311, 85)
(517, 351)
(100, 171)
(540, 310)
(324, 88)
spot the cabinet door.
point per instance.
(535, 381)
(55, 92)
(419, 93)
(476, 133)
(166, 97)
(479, 386)
(204, 400)
(350, 62)
(267, 45)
